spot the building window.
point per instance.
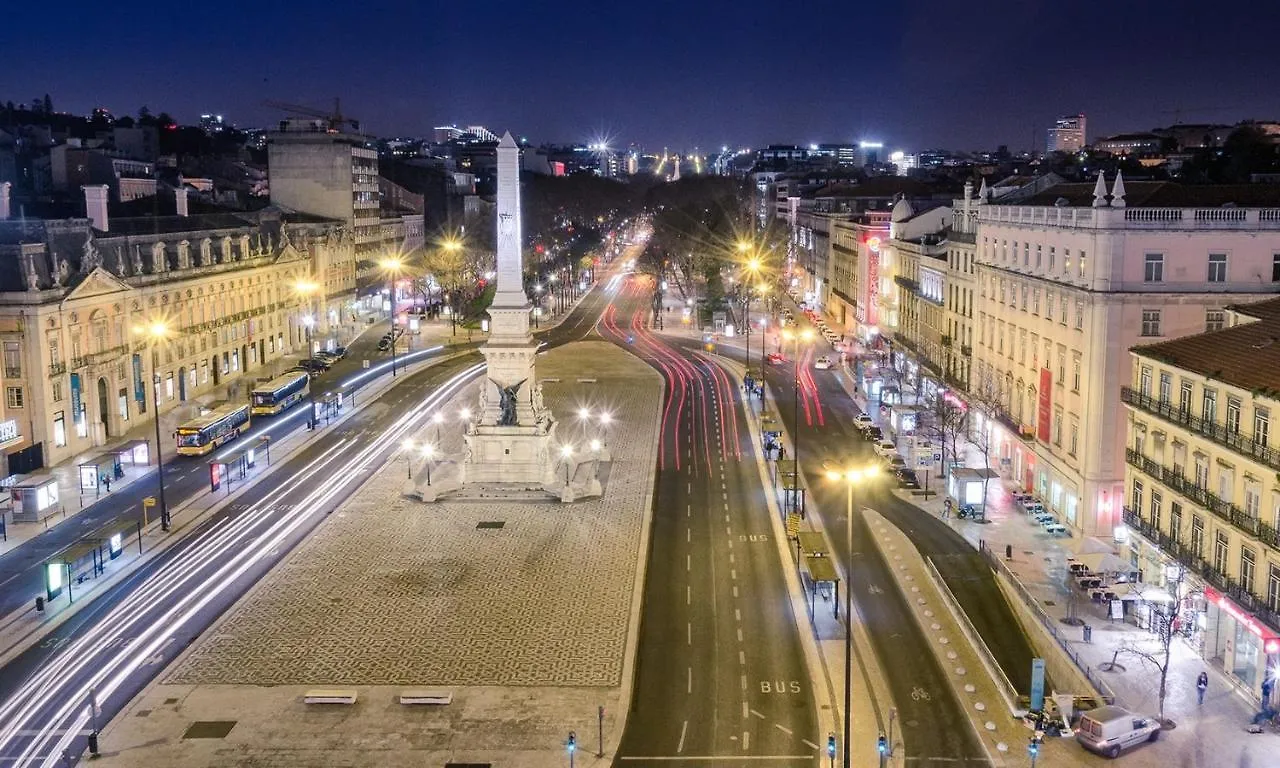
(1157, 504)
(1057, 427)
(1062, 314)
(1252, 499)
(1221, 545)
(12, 360)
(1275, 268)
(1261, 426)
(1215, 320)
(168, 386)
(1144, 380)
(1079, 315)
(1153, 268)
(1150, 322)
(59, 429)
(1202, 472)
(1025, 291)
(1075, 371)
(1035, 302)
(13, 396)
(1166, 387)
(122, 402)
(1175, 521)
(1217, 267)
(1135, 503)
(1209, 406)
(1080, 263)
(1233, 415)
(55, 390)
(1052, 258)
(1197, 535)
(1039, 255)
(1247, 565)
(1074, 443)
(1184, 398)
(1273, 589)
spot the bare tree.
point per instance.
(1154, 649)
(984, 397)
(946, 419)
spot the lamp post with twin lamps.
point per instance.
(850, 477)
(566, 452)
(155, 333)
(392, 267)
(427, 450)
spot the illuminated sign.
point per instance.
(1220, 600)
(873, 243)
(53, 574)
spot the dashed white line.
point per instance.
(744, 710)
(784, 729)
(689, 685)
(731, 557)
(737, 614)
(743, 680)
(757, 714)
(735, 590)
(688, 562)
(683, 729)
(688, 595)
(733, 573)
(810, 744)
(746, 740)
(688, 634)
(742, 658)
(739, 634)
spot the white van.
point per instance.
(1107, 730)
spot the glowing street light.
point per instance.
(850, 477)
(155, 332)
(392, 265)
(566, 452)
(428, 453)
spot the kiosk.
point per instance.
(34, 499)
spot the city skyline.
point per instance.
(608, 72)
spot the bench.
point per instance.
(434, 696)
(330, 696)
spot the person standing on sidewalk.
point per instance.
(1202, 685)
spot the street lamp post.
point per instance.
(566, 452)
(850, 477)
(428, 452)
(156, 332)
(407, 450)
(392, 267)
(438, 418)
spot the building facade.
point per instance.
(72, 295)
(1068, 280)
(1067, 134)
(1202, 486)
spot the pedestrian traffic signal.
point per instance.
(831, 745)
(882, 744)
(573, 741)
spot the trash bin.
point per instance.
(1088, 633)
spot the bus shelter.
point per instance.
(792, 495)
(234, 466)
(135, 452)
(328, 406)
(97, 472)
(821, 574)
(34, 498)
(61, 569)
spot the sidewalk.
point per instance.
(1211, 731)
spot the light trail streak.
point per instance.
(65, 682)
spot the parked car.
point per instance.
(384, 344)
(884, 448)
(873, 433)
(340, 352)
(327, 356)
(313, 372)
(822, 363)
(862, 421)
(1108, 730)
(774, 358)
(906, 478)
(1056, 528)
(314, 363)
(896, 462)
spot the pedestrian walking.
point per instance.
(1202, 685)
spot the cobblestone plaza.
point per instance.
(391, 591)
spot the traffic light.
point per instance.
(573, 741)
(882, 745)
(831, 746)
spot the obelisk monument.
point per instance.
(511, 439)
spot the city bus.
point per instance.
(280, 393)
(199, 436)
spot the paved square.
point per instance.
(391, 591)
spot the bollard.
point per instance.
(1008, 551)
(39, 605)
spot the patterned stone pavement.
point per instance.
(390, 591)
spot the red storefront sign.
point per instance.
(871, 294)
(1270, 641)
(1045, 405)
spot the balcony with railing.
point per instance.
(57, 369)
(1219, 433)
(1221, 508)
(1194, 562)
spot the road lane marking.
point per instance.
(684, 728)
(810, 744)
(688, 632)
(737, 614)
(688, 595)
(742, 658)
(689, 685)
(757, 714)
(784, 729)
(728, 531)
(746, 740)
(744, 710)
(739, 634)
(744, 682)
(731, 557)
(735, 590)
(733, 573)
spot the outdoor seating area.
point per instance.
(1040, 514)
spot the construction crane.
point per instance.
(337, 122)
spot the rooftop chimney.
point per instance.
(4, 200)
(180, 200)
(95, 205)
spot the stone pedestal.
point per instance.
(515, 454)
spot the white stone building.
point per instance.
(1068, 280)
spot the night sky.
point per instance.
(929, 73)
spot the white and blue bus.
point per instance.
(280, 393)
(199, 436)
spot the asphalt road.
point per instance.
(21, 569)
(720, 674)
(929, 717)
(120, 642)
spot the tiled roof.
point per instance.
(1245, 356)
(1166, 194)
